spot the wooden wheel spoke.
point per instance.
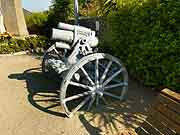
(105, 72)
(91, 102)
(104, 100)
(77, 96)
(88, 77)
(112, 95)
(97, 100)
(56, 52)
(113, 76)
(80, 85)
(115, 85)
(97, 71)
(80, 105)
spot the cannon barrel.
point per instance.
(67, 33)
(66, 26)
(62, 35)
(80, 30)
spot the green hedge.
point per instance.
(145, 35)
(12, 45)
(37, 23)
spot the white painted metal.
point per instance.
(79, 106)
(92, 75)
(111, 95)
(115, 85)
(97, 72)
(97, 91)
(93, 97)
(70, 27)
(113, 76)
(81, 85)
(88, 77)
(105, 72)
(62, 45)
(77, 96)
(62, 35)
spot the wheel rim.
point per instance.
(94, 78)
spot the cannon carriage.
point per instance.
(87, 77)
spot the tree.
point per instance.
(60, 10)
(97, 7)
(63, 10)
(107, 6)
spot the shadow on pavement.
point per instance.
(102, 119)
(43, 93)
(91, 129)
(116, 117)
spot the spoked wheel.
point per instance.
(95, 78)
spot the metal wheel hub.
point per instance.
(97, 90)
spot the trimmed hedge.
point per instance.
(12, 45)
(146, 36)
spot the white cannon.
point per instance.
(72, 33)
(87, 76)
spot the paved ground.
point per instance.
(29, 104)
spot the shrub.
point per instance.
(60, 11)
(13, 45)
(37, 23)
(146, 36)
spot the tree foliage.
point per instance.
(12, 45)
(97, 7)
(145, 34)
(60, 10)
(36, 22)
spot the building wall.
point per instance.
(13, 17)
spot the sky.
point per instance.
(36, 5)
